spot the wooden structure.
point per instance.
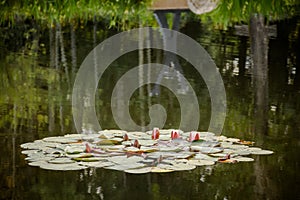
(169, 5)
(196, 6)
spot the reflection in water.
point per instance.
(35, 103)
(259, 49)
(169, 59)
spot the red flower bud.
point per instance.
(175, 134)
(88, 149)
(155, 134)
(136, 144)
(194, 136)
(125, 137)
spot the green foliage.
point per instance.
(229, 12)
(118, 13)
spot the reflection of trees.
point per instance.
(259, 51)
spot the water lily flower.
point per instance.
(194, 136)
(136, 144)
(125, 137)
(175, 134)
(155, 134)
(88, 149)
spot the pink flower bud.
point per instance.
(88, 149)
(136, 144)
(175, 134)
(194, 136)
(125, 137)
(155, 134)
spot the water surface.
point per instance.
(38, 69)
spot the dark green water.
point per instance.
(38, 69)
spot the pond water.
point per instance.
(38, 69)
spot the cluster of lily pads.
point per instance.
(138, 152)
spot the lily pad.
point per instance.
(98, 164)
(206, 150)
(160, 170)
(243, 159)
(201, 162)
(143, 170)
(112, 141)
(38, 163)
(232, 139)
(147, 143)
(61, 161)
(62, 167)
(200, 156)
(242, 152)
(28, 152)
(183, 166)
(125, 160)
(89, 159)
(60, 139)
(74, 149)
(262, 152)
(124, 167)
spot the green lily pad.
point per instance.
(243, 159)
(170, 149)
(160, 170)
(242, 152)
(60, 139)
(147, 143)
(89, 159)
(143, 170)
(38, 163)
(64, 160)
(251, 149)
(232, 139)
(62, 167)
(201, 162)
(262, 152)
(206, 150)
(183, 167)
(124, 167)
(28, 152)
(75, 149)
(97, 164)
(122, 160)
(79, 155)
(112, 141)
(218, 154)
(132, 149)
